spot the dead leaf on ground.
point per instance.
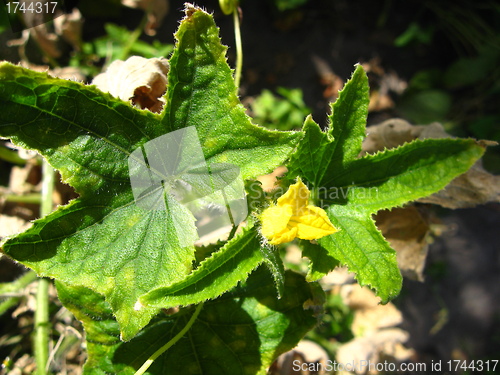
(406, 229)
(12, 225)
(328, 78)
(156, 10)
(382, 83)
(53, 41)
(376, 337)
(385, 345)
(69, 27)
(474, 187)
(141, 80)
(24, 179)
(302, 356)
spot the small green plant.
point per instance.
(120, 43)
(149, 299)
(283, 113)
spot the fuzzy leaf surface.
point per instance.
(215, 275)
(352, 189)
(241, 332)
(103, 240)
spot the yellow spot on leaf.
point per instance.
(293, 217)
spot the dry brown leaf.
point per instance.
(389, 134)
(69, 26)
(373, 327)
(24, 179)
(474, 187)
(156, 10)
(328, 78)
(305, 353)
(141, 80)
(371, 320)
(362, 351)
(382, 83)
(406, 229)
(357, 297)
(52, 41)
(10, 225)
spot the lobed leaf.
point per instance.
(241, 332)
(201, 93)
(396, 176)
(314, 152)
(103, 240)
(348, 120)
(351, 189)
(215, 275)
(360, 246)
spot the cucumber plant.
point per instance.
(151, 301)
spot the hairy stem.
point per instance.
(169, 344)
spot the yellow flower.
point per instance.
(293, 217)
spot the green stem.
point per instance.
(11, 156)
(19, 284)
(239, 49)
(42, 325)
(169, 344)
(32, 198)
(48, 181)
(231, 218)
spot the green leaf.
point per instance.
(241, 332)
(315, 151)
(112, 46)
(321, 262)
(361, 246)
(215, 275)
(199, 74)
(348, 119)
(320, 155)
(351, 189)
(104, 240)
(393, 177)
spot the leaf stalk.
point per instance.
(169, 344)
(239, 48)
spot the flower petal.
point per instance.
(274, 220)
(312, 224)
(286, 235)
(297, 197)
